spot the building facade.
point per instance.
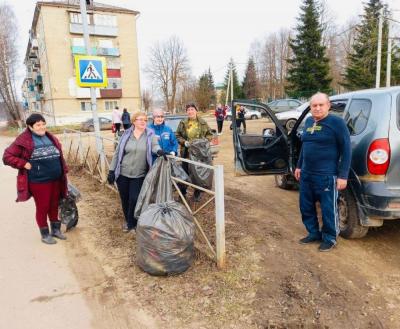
(56, 37)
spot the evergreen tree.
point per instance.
(309, 66)
(205, 91)
(237, 89)
(361, 70)
(250, 86)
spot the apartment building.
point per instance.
(56, 37)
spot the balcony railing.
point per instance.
(108, 51)
(110, 31)
(82, 50)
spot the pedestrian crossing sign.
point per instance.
(90, 71)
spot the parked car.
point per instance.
(373, 192)
(249, 114)
(288, 119)
(88, 125)
(173, 122)
(282, 105)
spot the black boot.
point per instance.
(55, 231)
(46, 237)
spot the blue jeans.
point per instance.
(320, 188)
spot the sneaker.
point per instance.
(326, 246)
(309, 239)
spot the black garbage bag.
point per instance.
(67, 209)
(165, 239)
(200, 151)
(178, 171)
(157, 186)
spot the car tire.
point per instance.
(91, 128)
(290, 124)
(349, 223)
(254, 117)
(284, 182)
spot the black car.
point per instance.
(373, 191)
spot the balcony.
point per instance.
(109, 31)
(80, 50)
(111, 93)
(108, 51)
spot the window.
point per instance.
(357, 116)
(106, 43)
(294, 104)
(78, 42)
(338, 106)
(282, 103)
(105, 20)
(110, 105)
(85, 106)
(75, 18)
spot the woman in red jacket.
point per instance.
(42, 170)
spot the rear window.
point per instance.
(357, 116)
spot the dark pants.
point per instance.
(126, 126)
(46, 196)
(220, 123)
(117, 127)
(320, 188)
(240, 122)
(129, 189)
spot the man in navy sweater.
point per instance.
(322, 170)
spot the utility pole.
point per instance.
(227, 88)
(379, 53)
(93, 103)
(389, 57)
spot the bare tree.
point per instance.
(8, 61)
(168, 67)
(147, 99)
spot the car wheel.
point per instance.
(284, 182)
(290, 124)
(349, 223)
(91, 128)
(253, 117)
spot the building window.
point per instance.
(105, 43)
(85, 106)
(105, 20)
(110, 105)
(75, 18)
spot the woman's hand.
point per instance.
(28, 166)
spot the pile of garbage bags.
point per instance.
(67, 209)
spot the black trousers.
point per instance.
(117, 127)
(220, 123)
(129, 189)
(126, 126)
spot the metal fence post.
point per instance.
(220, 215)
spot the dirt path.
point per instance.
(271, 281)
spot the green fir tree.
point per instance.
(250, 85)
(309, 67)
(237, 89)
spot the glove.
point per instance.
(172, 153)
(111, 177)
(161, 153)
(187, 144)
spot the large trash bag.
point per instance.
(200, 151)
(178, 171)
(157, 186)
(165, 239)
(67, 209)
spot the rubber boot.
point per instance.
(46, 237)
(55, 231)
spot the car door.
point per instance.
(261, 147)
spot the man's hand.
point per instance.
(341, 184)
(297, 173)
(161, 153)
(28, 166)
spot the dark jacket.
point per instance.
(19, 153)
(126, 118)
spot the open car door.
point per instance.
(261, 146)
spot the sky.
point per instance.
(213, 31)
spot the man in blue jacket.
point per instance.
(165, 135)
(322, 170)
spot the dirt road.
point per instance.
(270, 282)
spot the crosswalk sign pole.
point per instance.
(99, 144)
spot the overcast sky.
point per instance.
(213, 31)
